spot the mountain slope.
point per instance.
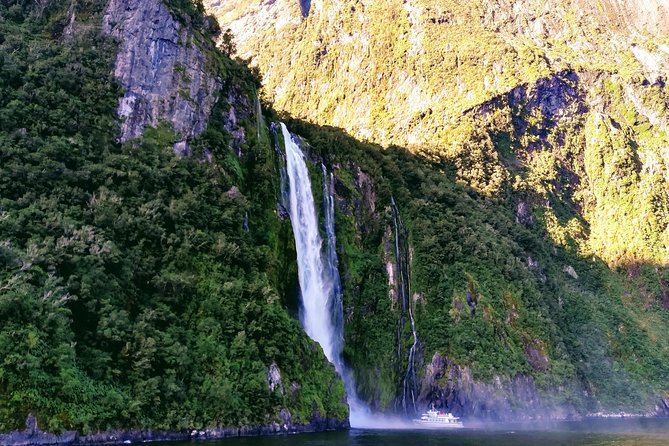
(402, 83)
(148, 273)
(551, 117)
(431, 79)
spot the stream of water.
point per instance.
(321, 310)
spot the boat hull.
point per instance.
(437, 425)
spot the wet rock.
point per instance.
(161, 68)
(523, 214)
(31, 425)
(33, 437)
(286, 416)
(319, 423)
(282, 212)
(365, 185)
(274, 378)
(452, 388)
(663, 407)
(571, 271)
(182, 148)
(238, 111)
(130, 436)
(472, 304)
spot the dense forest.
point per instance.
(142, 289)
(132, 293)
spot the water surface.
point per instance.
(637, 432)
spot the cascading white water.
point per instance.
(409, 382)
(317, 282)
(315, 288)
(332, 262)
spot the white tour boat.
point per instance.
(435, 419)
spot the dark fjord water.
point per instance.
(640, 432)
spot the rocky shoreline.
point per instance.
(32, 436)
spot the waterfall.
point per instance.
(403, 278)
(332, 265)
(321, 309)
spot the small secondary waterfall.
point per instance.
(332, 265)
(402, 258)
(321, 311)
(284, 198)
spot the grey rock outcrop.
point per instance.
(162, 69)
(33, 436)
(274, 378)
(524, 214)
(449, 386)
(663, 407)
(571, 271)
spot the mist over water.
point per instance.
(640, 432)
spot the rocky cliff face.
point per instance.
(545, 20)
(407, 83)
(163, 70)
(556, 109)
(545, 386)
(631, 15)
(452, 387)
(501, 319)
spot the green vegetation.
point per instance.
(483, 88)
(131, 293)
(397, 72)
(139, 289)
(594, 342)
